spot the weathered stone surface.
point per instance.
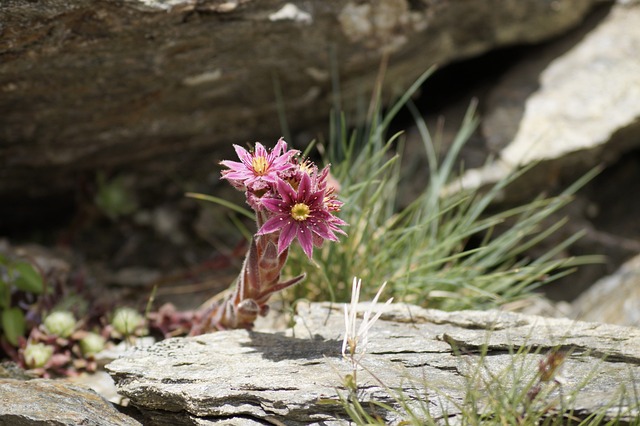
(432, 355)
(505, 102)
(147, 86)
(55, 402)
(584, 113)
(614, 299)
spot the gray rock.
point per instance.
(433, 356)
(55, 403)
(584, 113)
(11, 370)
(149, 85)
(506, 100)
(614, 299)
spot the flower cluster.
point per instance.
(292, 200)
(290, 195)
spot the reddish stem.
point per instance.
(258, 280)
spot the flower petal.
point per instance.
(280, 148)
(287, 234)
(304, 188)
(324, 231)
(274, 204)
(272, 225)
(243, 155)
(288, 194)
(233, 165)
(305, 239)
(260, 151)
(315, 200)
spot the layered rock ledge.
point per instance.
(294, 377)
(149, 85)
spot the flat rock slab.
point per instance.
(55, 402)
(294, 377)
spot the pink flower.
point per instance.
(258, 169)
(301, 214)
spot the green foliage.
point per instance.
(60, 323)
(91, 344)
(13, 324)
(27, 278)
(16, 277)
(113, 198)
(38, 325)
(128, 323)
(37, 355)
(423, 249)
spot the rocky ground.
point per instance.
(568, 104)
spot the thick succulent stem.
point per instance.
(258, 280)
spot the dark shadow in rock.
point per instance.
(276, 347)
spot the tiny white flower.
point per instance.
(355, 340)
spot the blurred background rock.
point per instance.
(111, 110)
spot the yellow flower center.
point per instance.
(294, 183)
(259, 165)
(306, 166)
(300, 212)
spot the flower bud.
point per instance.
(91, 344)
(60, 323)
(126, 321)
(36, 355)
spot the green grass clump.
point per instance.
(423, 249)
(528, 390)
